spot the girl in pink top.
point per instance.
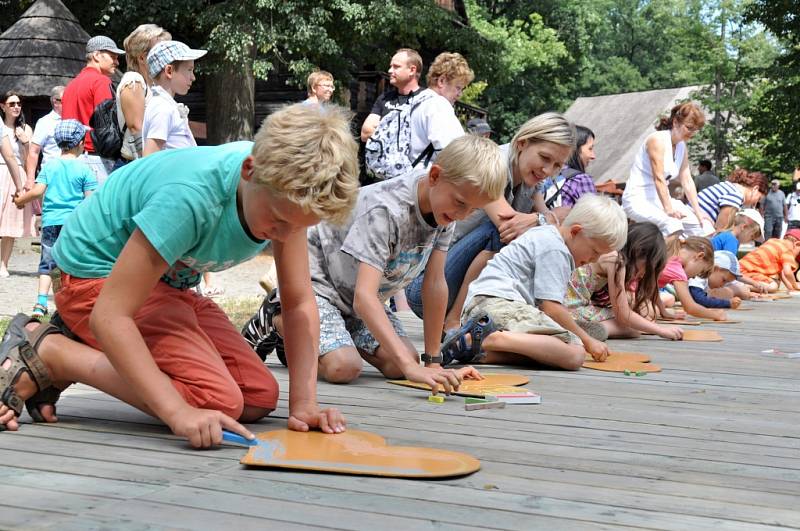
(692, 257)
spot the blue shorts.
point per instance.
(49, 237)
(337, 331)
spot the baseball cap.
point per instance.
(69, 133)
(102, 43)
(794, 233)
(166, 52)
(727, 260)
(478, 126)
(756, 216)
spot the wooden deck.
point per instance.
(712, 442)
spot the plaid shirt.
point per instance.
(575, 187)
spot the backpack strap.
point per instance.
(568, 174)
(426, 154)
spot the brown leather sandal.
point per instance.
(19, 347)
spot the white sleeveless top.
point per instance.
(12, 138)
(131, 143)
(640, 183)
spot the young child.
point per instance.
(64, 182)
(748, 226)
(610, 297)
(693, 257)
(400, 227)
(131, 252)
(775, 261)
(712, 292)
(166, 122)
(515, 308)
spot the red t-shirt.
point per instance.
(88, 89)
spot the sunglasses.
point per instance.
(14, 103)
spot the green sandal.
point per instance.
(21, 351)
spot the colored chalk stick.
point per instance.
(436, 399)
(485, 405)
(470, 400)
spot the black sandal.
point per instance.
(454, 347)
(19, 346)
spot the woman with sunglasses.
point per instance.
(662, 157)
(14, 222)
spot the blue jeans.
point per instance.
(484, 237)
(48, 240)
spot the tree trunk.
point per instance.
(719, 136)
(230, 103)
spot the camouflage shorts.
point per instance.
(337, 331)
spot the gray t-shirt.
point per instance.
(536, 266)
(773, 203)
(386, 231)
(520, 198)
(704, 180)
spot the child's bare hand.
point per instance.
(673, 333)
(736, 302)
(597, 349)
(469, 373)
(203, 427)
(433, 376)
(308, 415)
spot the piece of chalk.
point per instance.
(436, 399)
(485, 405)
(473, 400)
(627, 372)
(640, 373)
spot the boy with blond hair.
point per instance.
(399, 228)
(515, 309)
(131, 253)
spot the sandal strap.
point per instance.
(27, 349)
(12, 400)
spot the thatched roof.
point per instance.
(44, 48)
(620, 123)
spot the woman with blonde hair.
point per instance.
(133, 91)
(539, 149)
(664, 156)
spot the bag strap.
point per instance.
(569, 174)
(426, 154)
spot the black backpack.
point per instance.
(105, 133)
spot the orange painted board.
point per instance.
(726, 321)
(701, 335)
(355, 452)
(621, 362)
(680, 322)
(492, 384)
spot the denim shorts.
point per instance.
(337, 331)
(49, 237)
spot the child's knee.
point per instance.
(340, 366)
(574, 359)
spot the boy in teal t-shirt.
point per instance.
(64, 182)
(129, 254)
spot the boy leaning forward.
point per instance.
(130, 254)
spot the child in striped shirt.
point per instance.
(775, 261)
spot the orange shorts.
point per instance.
(191, 340)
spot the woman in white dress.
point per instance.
(662, 157)
(14, 222)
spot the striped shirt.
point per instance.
(769, 258)
(713, 198)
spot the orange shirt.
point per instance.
(770, 258)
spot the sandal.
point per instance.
(53, 393)
(39, 311)
(19, 347)
(455, 347)
(260, 333)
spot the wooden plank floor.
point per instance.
(712, 442)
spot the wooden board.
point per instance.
(726, 321)
(679, 322)
(701, 335)
(355, 452)
(493, 383)
(621, 362)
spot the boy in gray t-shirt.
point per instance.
(399, 228)
(515, 307)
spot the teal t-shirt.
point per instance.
(67, 182)
(183, 201)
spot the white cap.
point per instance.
(756, 216)
(166, 52)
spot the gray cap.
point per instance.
(101, 43)
(478, 126)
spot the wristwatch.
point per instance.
(427, 358)
(542, 220)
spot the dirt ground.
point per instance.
(18, 292)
